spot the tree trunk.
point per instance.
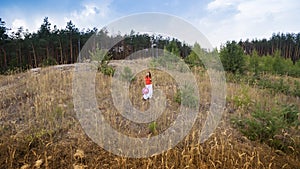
(296, 53)
(5, 59)
(61, 52)
(20, 55)
(47, 52)
(71, 50)
(34, 55)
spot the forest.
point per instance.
(22, 50)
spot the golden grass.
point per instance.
(39, 126)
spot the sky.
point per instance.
(218, 20)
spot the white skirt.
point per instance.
(149, 94)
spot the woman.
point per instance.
(148, 83)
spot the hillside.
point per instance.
(39, 127)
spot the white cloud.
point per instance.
(264, 17)
(219, 21)
(221, 4)
(88, 14)
(17, 23)
(91, 14)
(235, 19)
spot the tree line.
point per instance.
(22, 50)
(288, 44)
(236, 61)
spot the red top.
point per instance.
(147, 80)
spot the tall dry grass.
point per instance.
(39, 128)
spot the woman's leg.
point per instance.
(146, 96)
(150, 90)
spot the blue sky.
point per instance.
(218, 20)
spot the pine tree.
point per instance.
(232, 57)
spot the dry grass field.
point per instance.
(39, 128)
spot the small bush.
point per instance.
(186, 96)
(278, 64)
(102, 57)
(296, 91)
(254, 63)
(106, 69)
(193, 59)
(262, 125)
(242, 99)
(177, 96)
(290, 114)
(267, 126)
(153, 127)
(169, 60)
(49, 62)
(281, 87)
(127, 74)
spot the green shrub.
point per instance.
(267, 63)
(49, 62)
(242, 99)
(232, 57)
(169, 60)
(153, 127)
(193, 59)
(182, 67)
(281, 87)
(254, 63)
(99, 55)
(267, 126)
(177, 96)
(278, 63)
(290, 114)
(262, 126)
(296, 91)
(186, 96)
(106, 69)
(102, 58)
(274, 64)
(294, 71)
(275, 86)
(127, 74)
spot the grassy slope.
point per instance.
(39, 126)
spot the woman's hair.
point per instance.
(149, 74)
